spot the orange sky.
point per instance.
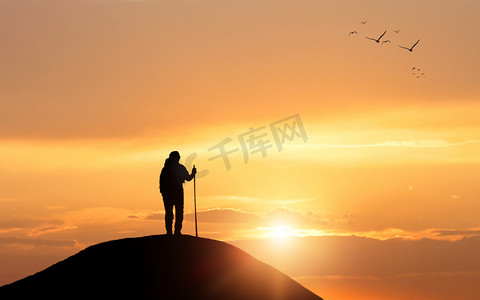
(95, 94)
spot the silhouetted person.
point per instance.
(172, 177)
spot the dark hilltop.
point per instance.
(159, 267)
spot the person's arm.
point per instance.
(190, 176)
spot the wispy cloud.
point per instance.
(285, 216)
(37, 242)
(396, 276)
(225, 215)
(395, 143)
(28, 222)
(231, 198)
(151, 216)
(94, 215)
(50, 229)
(239, 198)
(456, 233)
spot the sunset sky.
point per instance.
(94, 95)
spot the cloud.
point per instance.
(307, 221)
(398, 233)
(155, 216)
(284, 215)
(50, 229)
(94, 215)
(357, 256)
(27, 222)
(432, 285)
(65, 220)
(232, 198)
(215, 215)
(454, 232)
(224, 215)
(438, 143)
(95, 221)
(37, 242)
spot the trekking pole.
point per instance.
(195, 202)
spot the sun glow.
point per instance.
(280, 232)
(285, 232)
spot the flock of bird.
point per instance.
(377, 40)
(415, 71)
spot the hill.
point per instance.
(159, 267)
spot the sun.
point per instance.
(279, 232)
(282, 231)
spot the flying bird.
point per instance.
(385, 41)
(411, 48)
(396, 31)
(413, 68)
(377, 40)
(364, 22)
(352, 32)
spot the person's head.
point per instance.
(174, 156)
